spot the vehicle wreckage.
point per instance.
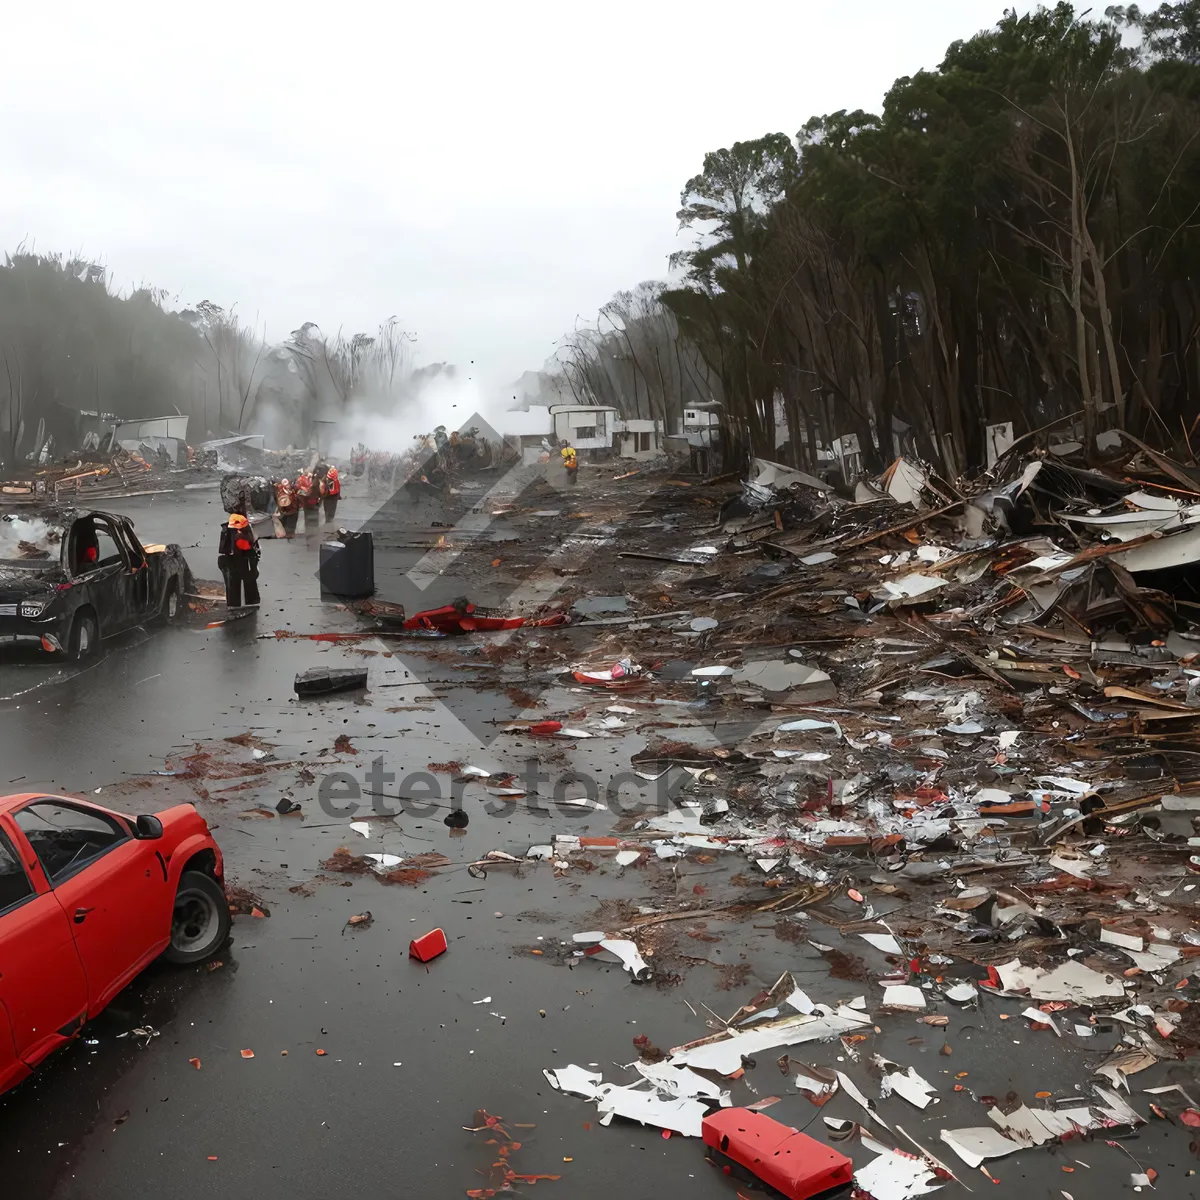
(71, 577)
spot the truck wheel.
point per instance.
(200, 921)
(85, 637)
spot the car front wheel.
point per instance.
(201, 920)
(85, 637)
(171, 604)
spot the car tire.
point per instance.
(172, 604)
(85, 637)
(200, 919)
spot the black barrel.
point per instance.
(348, 565)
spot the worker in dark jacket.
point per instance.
(237, 555)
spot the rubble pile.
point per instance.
(956, 723)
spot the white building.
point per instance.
(585, 426)
(638, 438)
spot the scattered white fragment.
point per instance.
(962, 993)
(975, 1145)
(909, 587)
(808, 725)
(965, 729)
(618, 949)
(634, 1104)
(1126, 941)
(882, 941)
(1155, 958)
(385, 862)
(895, 1175)
(723, 1051)
(712, 672)
(361, 827)
(906, 1084)
(627, 857)
(1070, 981)
(575, 1080)
(903, 995)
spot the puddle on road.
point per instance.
(22, 673)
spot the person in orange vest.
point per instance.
(570, 461)
(238, 553)
(331, 490)
(287, 506)
(309, 496)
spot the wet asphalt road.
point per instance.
(410, 1054)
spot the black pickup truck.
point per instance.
(70, 577)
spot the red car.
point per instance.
(89, 897)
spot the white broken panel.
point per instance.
(626, 953)
(883, 941)
(977, 1144)
(681, 1082)
(1154, 958)
(903, 996)
(962, 993)
(724, 1051)
(1126, 941)
(908, 587)
(574, 1080)
(678, 1115)
(779, 675)
(1070, 981)
(808, 725)
(895, 1175)
(906, 1084)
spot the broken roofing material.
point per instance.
(1026, 1127)
(1071, 981)
(614, 950)
(670, 1092)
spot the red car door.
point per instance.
(112, 887)
(43, 992)
(12, 1069)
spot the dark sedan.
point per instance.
(69, 578)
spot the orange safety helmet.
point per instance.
(237, 521)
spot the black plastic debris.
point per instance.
(321, 681)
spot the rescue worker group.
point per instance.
(238, 552)
(315, 493)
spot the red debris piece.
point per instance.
(428, 946)
(793, 1163)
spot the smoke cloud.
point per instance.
(382, 424)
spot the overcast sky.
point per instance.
(486, 172)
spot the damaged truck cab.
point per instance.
(69, 578)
